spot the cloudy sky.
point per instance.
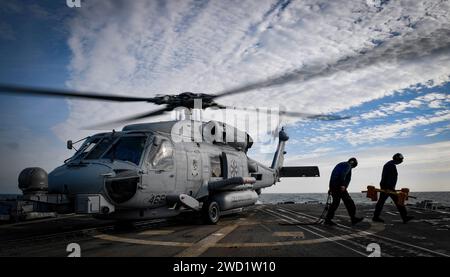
(384, 63)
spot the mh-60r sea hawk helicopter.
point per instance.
(158, 170)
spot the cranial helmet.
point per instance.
(398, 158)
(353, 162)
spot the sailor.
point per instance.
(388, 181)
(339, 181)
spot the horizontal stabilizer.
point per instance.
(299, 171)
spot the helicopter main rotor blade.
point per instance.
(20, 90)
(325, 117)
(131, 118)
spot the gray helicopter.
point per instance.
(158, 170)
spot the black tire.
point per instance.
(211, 212)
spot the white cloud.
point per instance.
(144, 48)
(381, 132)
(426, 168)
(432, 100)
(410, 117)
(398, 129)
(322, 150)
(338, 55)
(438, 131)
(374, 114)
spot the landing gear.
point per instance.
(211, 212)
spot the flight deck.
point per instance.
(263, 230)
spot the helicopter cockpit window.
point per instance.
(86, 148)
(161, 156)
(101, 147)
(216, 166)
(127, 148)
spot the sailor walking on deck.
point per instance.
(339, 181)
(389, 178)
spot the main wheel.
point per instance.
(211, 212)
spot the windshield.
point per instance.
(127, 148)
(87, 146)
(101, 147)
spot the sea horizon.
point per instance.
(442, 197)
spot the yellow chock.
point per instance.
(402, 195)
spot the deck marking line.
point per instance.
(156, 232)
(373, 228)
(201, 246)
(142, 241)
(330, 239)
(289, 234)
(381, 237)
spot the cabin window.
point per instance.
(161, 156)
(216, 166)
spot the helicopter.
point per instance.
(160, 169)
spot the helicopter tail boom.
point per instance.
(278, 159)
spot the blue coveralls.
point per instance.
(388, 182)
(341, 176)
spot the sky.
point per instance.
(383, 63)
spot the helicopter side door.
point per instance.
(159, 177)
(194, 169)
(235, 162)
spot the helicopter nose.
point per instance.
(122, 186)
(82, 179)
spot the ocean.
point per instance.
(443, 197)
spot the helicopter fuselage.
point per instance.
(142, 171)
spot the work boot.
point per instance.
(357, 220)
(407, 218)
(329, 222)
(377, 219)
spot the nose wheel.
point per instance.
(211, 212)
